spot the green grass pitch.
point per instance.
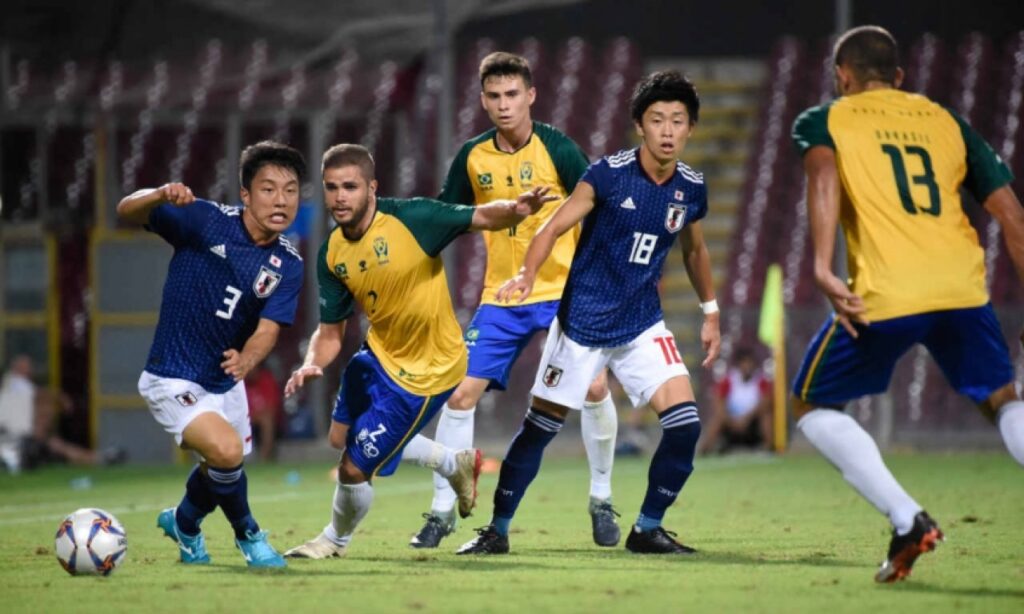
(774, 534)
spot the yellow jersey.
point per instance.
(901, 160)
(395, 273)
(481, 172)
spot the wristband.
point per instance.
(709, 307)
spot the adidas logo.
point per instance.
(628, 203)
(219, 250)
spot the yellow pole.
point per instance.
(779, 386)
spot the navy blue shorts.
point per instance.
(967, 344)
(497, 335)
(381, 415)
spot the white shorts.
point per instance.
(176, 402)
(641, 366)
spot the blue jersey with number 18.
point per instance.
(219, 285)
(611, 295)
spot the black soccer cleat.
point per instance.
(487, 541)
(655, 541)
(435, 529)
(904, 549)
(602, 520)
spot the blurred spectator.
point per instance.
(266, 407)
(28, 420)
(741, 408)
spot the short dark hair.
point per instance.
(664, 86)
(870, 52)
(504, 64)
(255, 157)
(350, 154)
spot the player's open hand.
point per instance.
(711, 339)
(236, 365)
(530, 202)
(521, 285)
(299, 378)
(848, 306)
(178, 194)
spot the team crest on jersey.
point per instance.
(266, 282)
(380, 247)
(187, 399)
(675, 216)
(526, 173)
(552, 375)
(485, 180)
(341, 271)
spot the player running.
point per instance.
(516, 155)
(890, 165)
(232, 283)
(385, 255)
(633, 205)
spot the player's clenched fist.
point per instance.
(299, 377)
(177, 194)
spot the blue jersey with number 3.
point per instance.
(611, 295)
(219, 285)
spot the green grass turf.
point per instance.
(782, 534)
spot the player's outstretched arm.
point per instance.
(1004, 206)
(135, 207)
(239, 364)
(574, 209)
(324, 347)
(698, 268)
(502, 214)
(823, 213)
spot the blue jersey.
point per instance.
(219, 285)
(611, 295)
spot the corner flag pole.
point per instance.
(772, 332)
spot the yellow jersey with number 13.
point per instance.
(901, 160)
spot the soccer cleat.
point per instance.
(317, 548)
(192, 548)
(436, 529)
(904, 549)
(655, 541)
(602, 520)
(487, 541)
(463, 481)
(258, 552)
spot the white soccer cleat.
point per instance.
(320, 547)
(463, 481)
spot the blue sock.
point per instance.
(197, 503)
(231, 488)
(521, 464)
(672, 463)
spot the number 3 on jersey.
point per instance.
(231, 302)
(643, 247)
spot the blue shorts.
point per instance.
(967, 344)
(381, 415)
(497, 335)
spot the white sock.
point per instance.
(1011, 426)
(455, 432)
(430, 454)
(849, 447)
(599, 423)
(351, 502)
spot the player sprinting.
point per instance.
(385, 255)
(516, 155)
(232, 283)
(889, 165)
(633, 205)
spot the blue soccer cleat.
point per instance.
(258, 552)
(192, 549)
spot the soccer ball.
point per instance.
(90, 541)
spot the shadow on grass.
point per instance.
(357, 566)
(912, 586)
(718, 557)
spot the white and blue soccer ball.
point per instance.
(91, 542)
